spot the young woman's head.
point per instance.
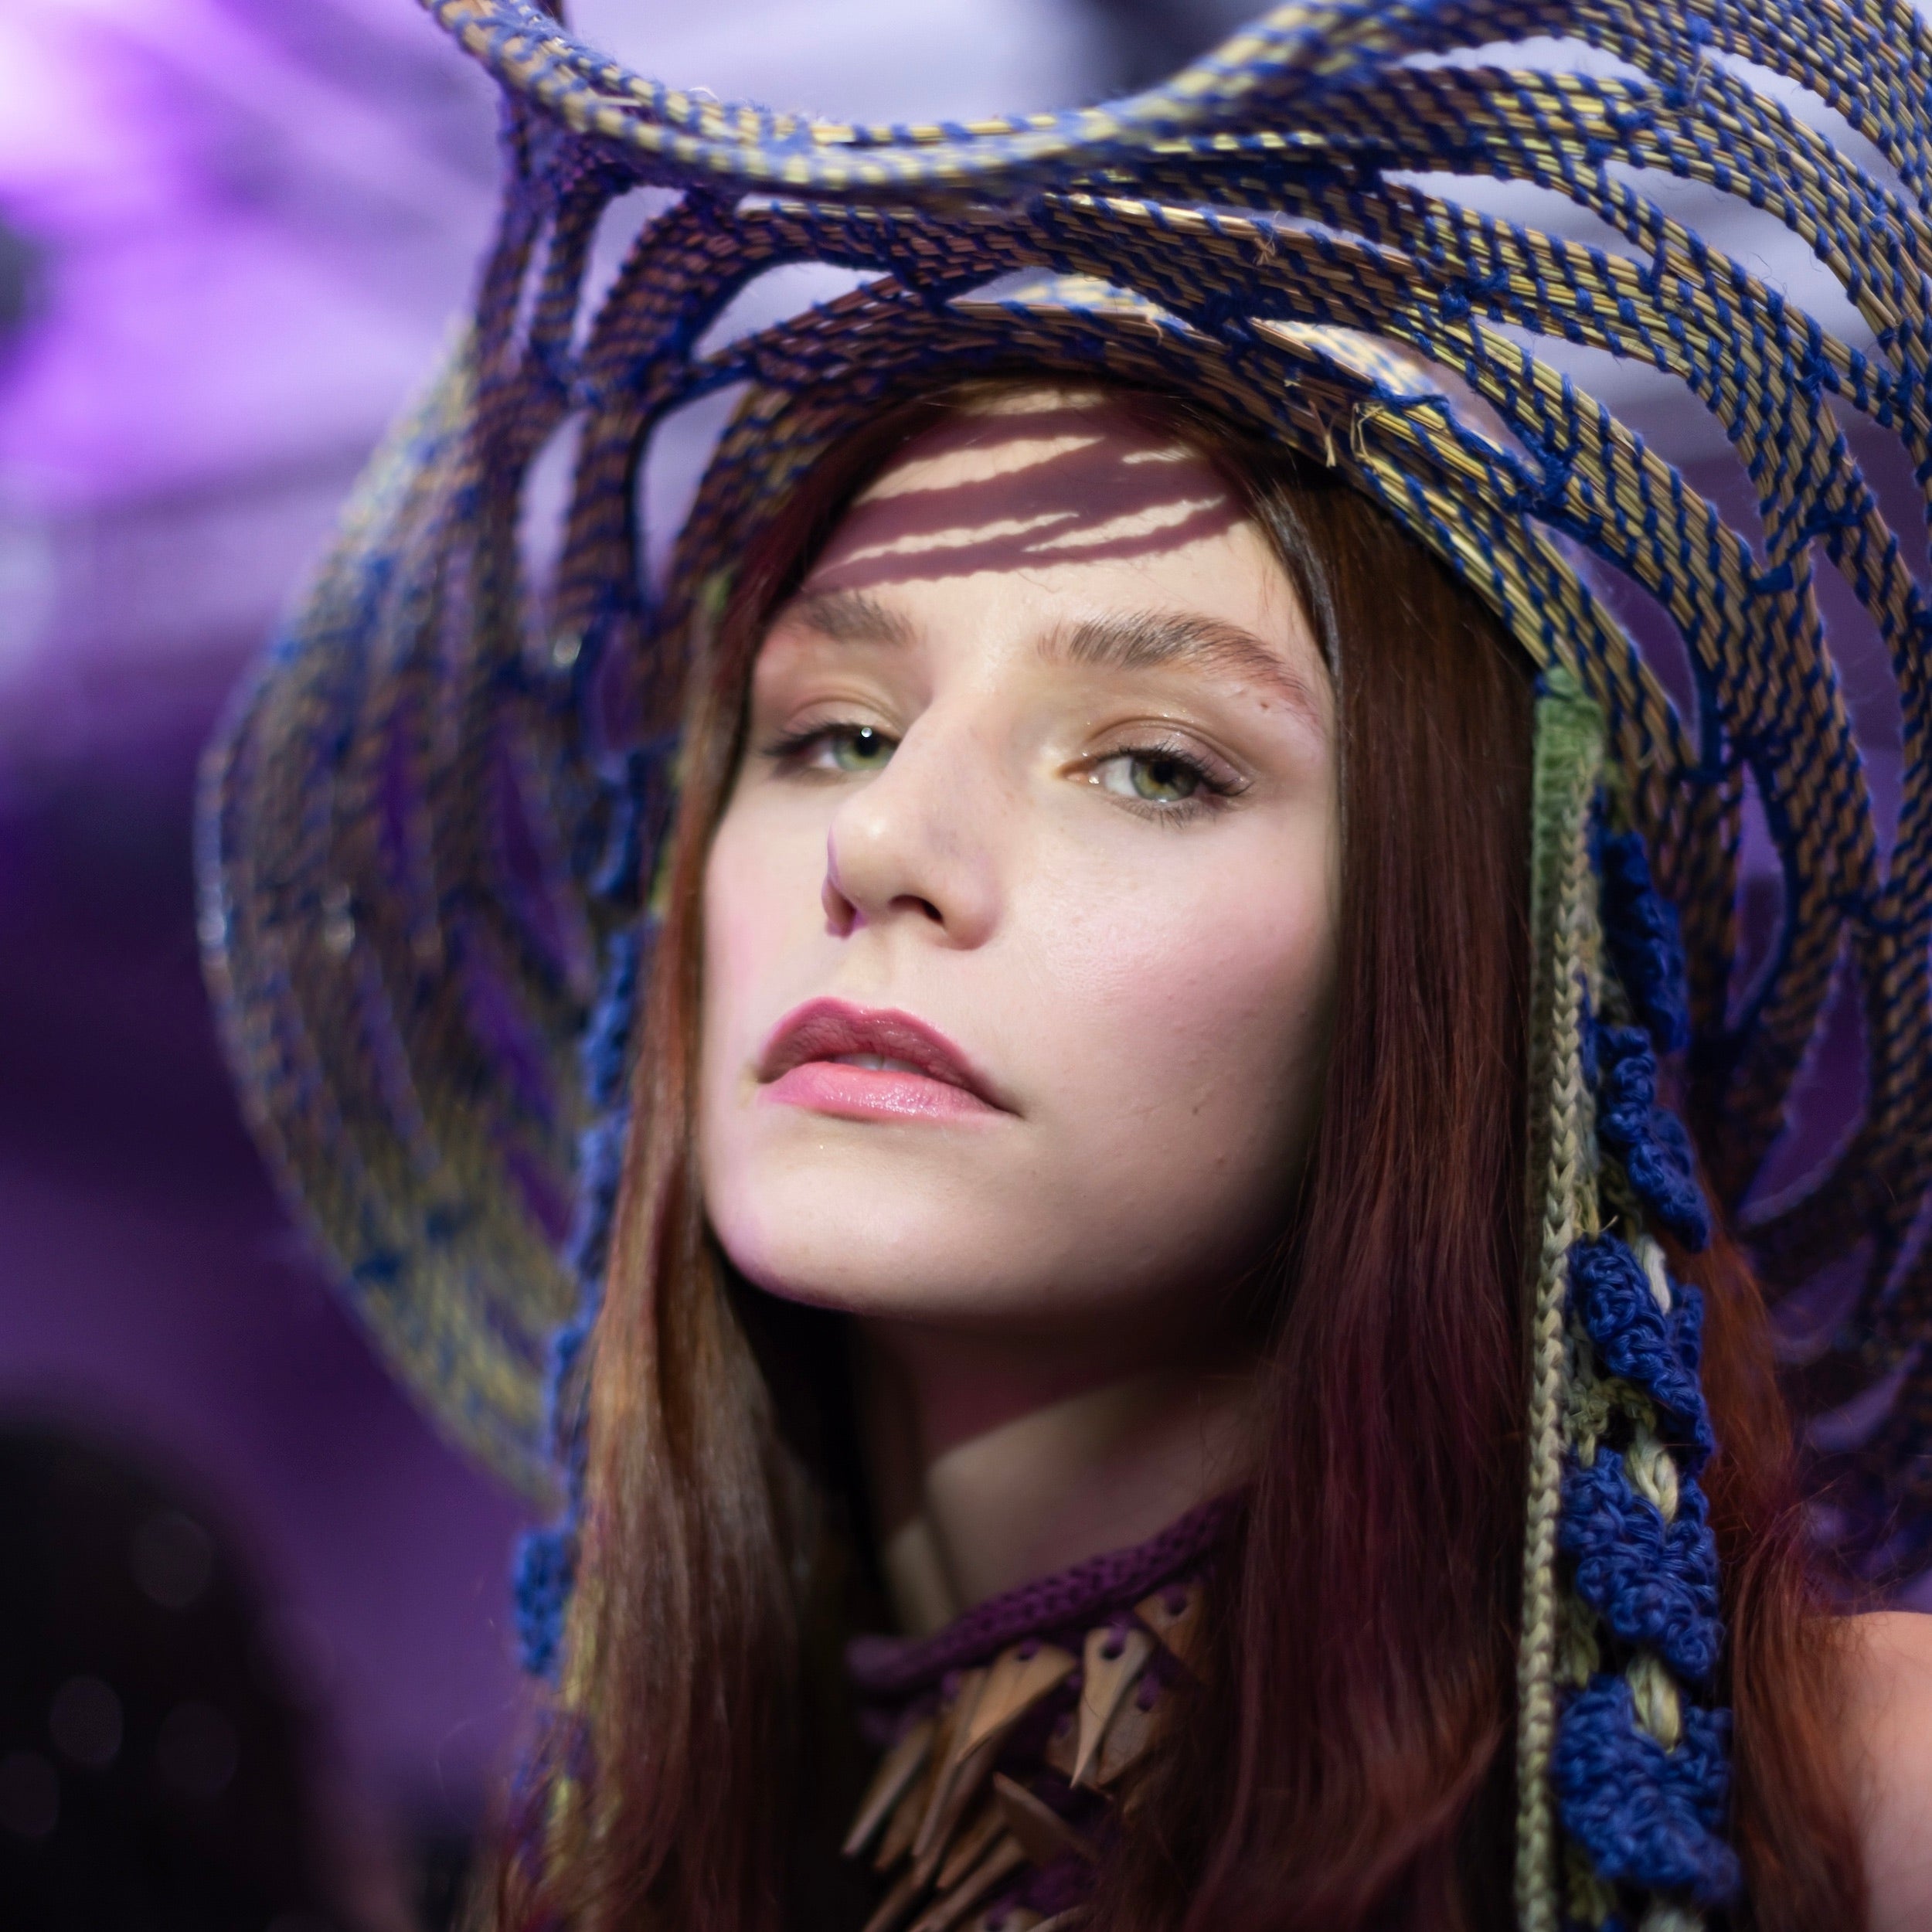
(1019, 918)
(1097, 915)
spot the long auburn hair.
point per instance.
(1350, 1764)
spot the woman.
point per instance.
(1122, 884)
(1012, 894)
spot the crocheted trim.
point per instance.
(893, 1666)
(1621, 1636)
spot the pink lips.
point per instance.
(803, 1066)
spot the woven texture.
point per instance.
(425, 824)
(1048, 1608)
(411, 815)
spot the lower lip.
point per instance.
(873, 1094)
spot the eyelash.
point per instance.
(1214, 794)
(792, 746)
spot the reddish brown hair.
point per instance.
(1351, 1764)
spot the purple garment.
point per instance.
(899, 1679)
(1061, 1608)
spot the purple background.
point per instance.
(235, 232)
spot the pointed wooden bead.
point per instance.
(968, 1782)
(1005, 1858)
(968, 1847)
(894, 1905)
(949, 1750)
(1133, 1729)
(1112, 1665)
(904, 1827)
(1061, 1748)
(897, 1770)
(1043, 1834)
(1016, 1683)
(1173, 1615)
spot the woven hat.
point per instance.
(427, 818)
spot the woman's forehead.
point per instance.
(1042, 479)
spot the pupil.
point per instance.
(1163, 776)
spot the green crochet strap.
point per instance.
(1563, 916)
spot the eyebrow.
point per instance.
(1142, 641)
(1150, 640)
(851, 617)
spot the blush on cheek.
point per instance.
(761, 914)
(1187, 1053)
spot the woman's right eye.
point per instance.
(837, 747)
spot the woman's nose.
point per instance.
(915, 843)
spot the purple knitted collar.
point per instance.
(1055, 1609)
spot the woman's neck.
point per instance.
(996, 1461)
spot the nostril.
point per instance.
(841, 915)
(913, 903)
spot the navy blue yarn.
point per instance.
(1646, 1137)
(1641, 935)
(1687, 1320)
(1653, 1583)
(1636, 1340)
(544, 1570)
(1647, 1817)
(639, 812)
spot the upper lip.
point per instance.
(823, 1029)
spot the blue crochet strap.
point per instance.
(1647, 1817)
(1641, 937)
(1655, 1583)
(1645, 1137)
(1636, 1340)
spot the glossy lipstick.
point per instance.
(871, 1063)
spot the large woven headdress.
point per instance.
(427, 821)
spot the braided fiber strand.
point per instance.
(1569, 758)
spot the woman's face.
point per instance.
(1019, 924)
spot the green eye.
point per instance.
(858, 748)
(1164, 781)
(1154, 778)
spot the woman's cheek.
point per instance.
(1189, 1023)
(762, 914)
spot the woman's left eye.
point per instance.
(1152, 778)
